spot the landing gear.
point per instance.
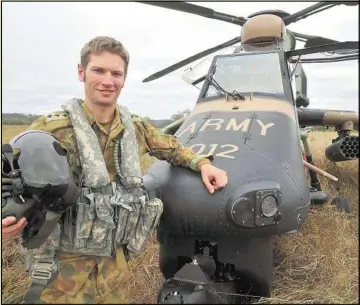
(342, 205)
(210, 274)
(201, 280)
(318, 197)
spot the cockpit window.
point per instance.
(259, 74)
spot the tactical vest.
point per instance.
(107, 214)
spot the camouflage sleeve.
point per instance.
(58, 124)
(38, 124)
(167, 147)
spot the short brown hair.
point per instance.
(101, 44)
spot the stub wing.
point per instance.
(326, 117)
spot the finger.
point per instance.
(17, 228)
(21, 223)
(8, 221)
(220, 182)
(208, 185)
(225, 179)
(216, 186)
(23, 220)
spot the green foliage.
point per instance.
(18, 118)
(323, 128)
(146, 118)
(180, 114)
(161, 123)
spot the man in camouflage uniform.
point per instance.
(104, 64)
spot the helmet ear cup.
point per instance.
(9, 157)
(5, 167)
(59, 149)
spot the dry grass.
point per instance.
(9, 131)
(317, 265)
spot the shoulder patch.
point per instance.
(57, 116)
(51, 122)
(136, 118)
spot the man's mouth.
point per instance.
(106, 91)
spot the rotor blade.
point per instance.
(313, 41)
(197, 10)
(341, 46)
(323, 60)
(351, 3)
(191, 59)
(319, 41)
(316, 8)
(334, 52)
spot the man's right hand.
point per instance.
(11, 229)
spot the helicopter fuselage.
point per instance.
(256, 141)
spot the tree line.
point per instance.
(18, 118)
(27, 119)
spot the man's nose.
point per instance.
(107, 80)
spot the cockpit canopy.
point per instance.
(247, 73)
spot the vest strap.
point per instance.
(43, 272)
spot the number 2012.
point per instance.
(226, 150)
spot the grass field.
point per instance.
(319, 265)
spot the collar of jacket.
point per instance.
(116, 126)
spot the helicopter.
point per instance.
(251, 119)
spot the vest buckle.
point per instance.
(42, 270)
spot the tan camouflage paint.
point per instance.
(255, 104)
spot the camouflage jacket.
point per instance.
(150, 140)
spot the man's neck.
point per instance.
(101, 114)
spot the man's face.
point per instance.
(103, 78)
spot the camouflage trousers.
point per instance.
(89, 280)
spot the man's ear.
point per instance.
(81, 73)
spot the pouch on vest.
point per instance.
(84, 222)
(91, 234)
(128, 206)
(149, 218)
(94, 222)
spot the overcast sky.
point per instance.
(41, 46)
